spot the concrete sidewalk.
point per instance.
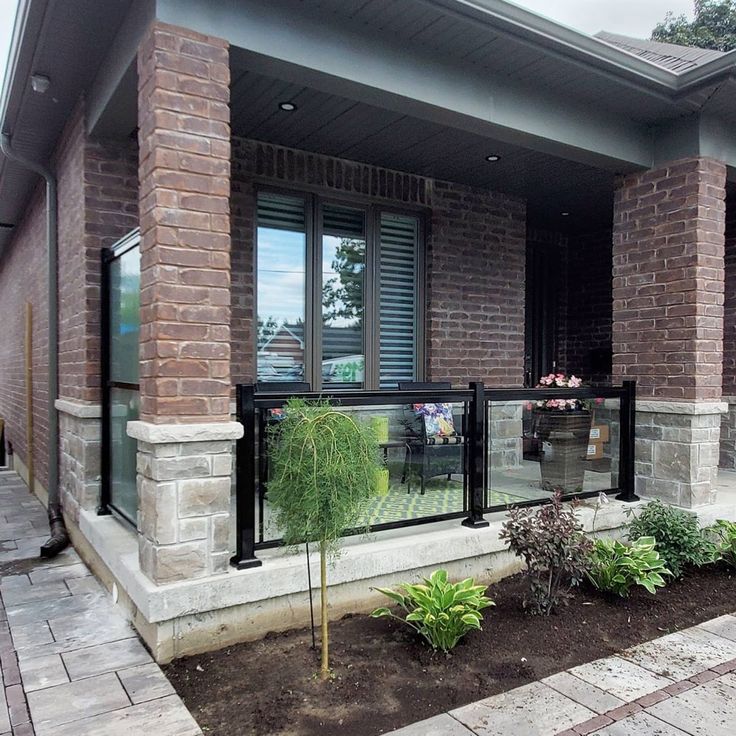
(683, 684)
(71, 663)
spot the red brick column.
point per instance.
(668, 286)
(185, 433)
(184, 135)
(728, 425)
(668, 280)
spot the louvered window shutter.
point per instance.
(399, 240)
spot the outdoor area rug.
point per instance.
(440, 497)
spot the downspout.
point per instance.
(59, 537)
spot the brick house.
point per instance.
(555, 200)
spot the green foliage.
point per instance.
(616, 567)
(679, 540)
(325, 465)
(552, 544)
(714, 26)
(442, 612)
(724, 535)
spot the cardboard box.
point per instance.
(595, 451)
(599, 433)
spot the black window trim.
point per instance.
(315, 198)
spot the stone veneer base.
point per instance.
(677, 450)
(727, 457)
(80, 452)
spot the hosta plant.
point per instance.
(552, 544)
(440, 611)
(616, 567)
(679, 539)
(724, 535)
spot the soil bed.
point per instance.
(386, 678)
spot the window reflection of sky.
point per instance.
(281, 274)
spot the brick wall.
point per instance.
(668, 280)
(98, 205)
(474, 270)
(589, 306)
(23, 279)
(475, 286)
(729, 307)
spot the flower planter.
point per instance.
(564, 435)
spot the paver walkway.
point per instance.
(683, 684)
(71, 663)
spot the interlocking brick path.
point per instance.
(71, 663)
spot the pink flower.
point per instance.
(599, 401)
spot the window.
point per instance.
(338, 289)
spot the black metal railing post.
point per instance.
(106, 449)
(627, 451)
(245, 480)
(476, 457)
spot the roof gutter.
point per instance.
(576, 47)
(59, 538)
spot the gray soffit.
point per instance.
(589, 91)
(338, 126)
(65, 40)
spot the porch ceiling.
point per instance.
(337, 126)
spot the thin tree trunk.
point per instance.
(325, 669)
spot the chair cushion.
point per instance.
(454, 440)
(438, 420)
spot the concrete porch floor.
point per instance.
(72, 665)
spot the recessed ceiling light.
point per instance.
(287, 106)
(493, 157)
(40, 83)
(565, 214)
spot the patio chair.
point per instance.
(429, 455)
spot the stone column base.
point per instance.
(80, 440)
(677, 450)
(505, 427)
(184, 481)
(728, 435)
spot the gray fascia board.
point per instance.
(120, 56)
(13, 67)
(717, 140)
(552, 36)
(372, 70)
(618, 63)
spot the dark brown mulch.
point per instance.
(386, 678)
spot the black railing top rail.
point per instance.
(356, 397)
(359, 397)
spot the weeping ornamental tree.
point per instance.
(325, 469)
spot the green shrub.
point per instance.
(440, 611)
(552, 544)
(616, 567)
(724, 535)
(679, 539)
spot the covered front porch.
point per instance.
(430, 215)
